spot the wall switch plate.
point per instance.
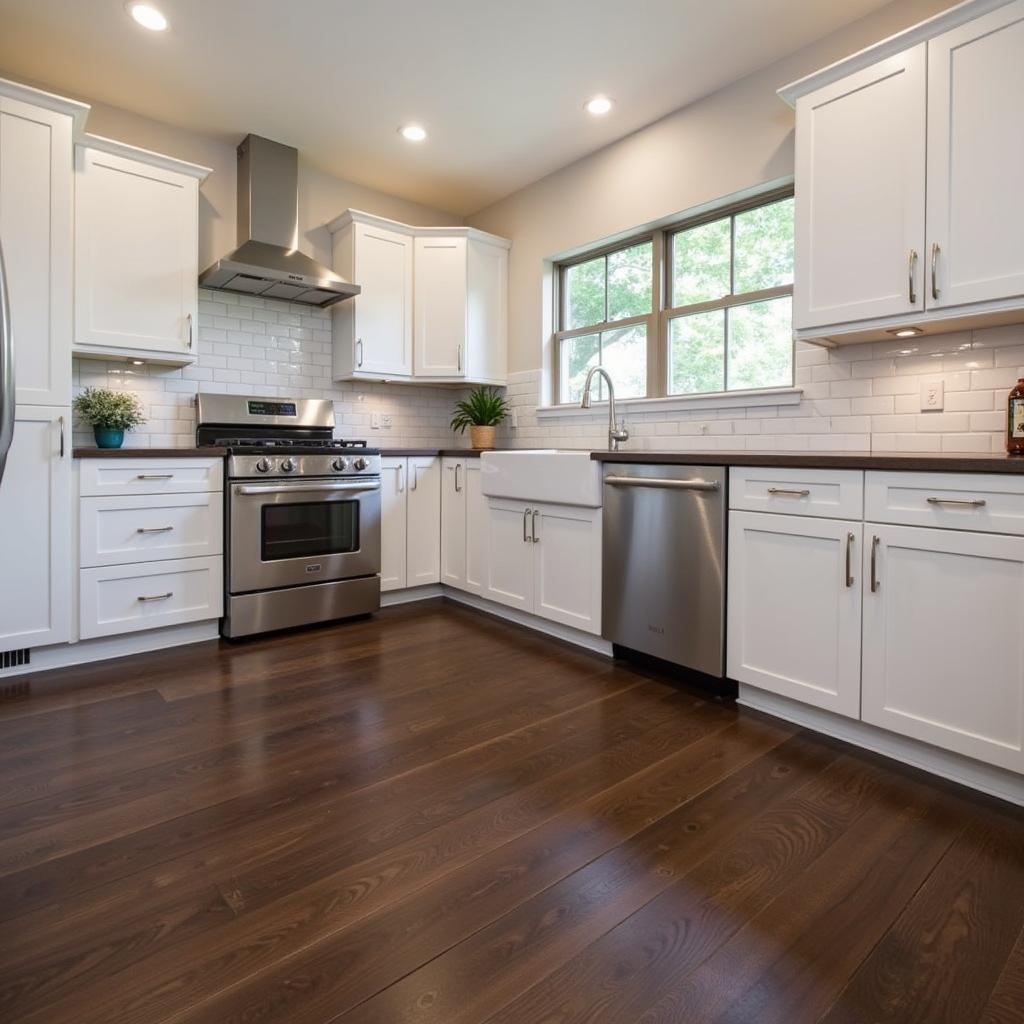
(933, 395)
(375, 421)
(385, 420)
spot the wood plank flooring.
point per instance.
(435, 817)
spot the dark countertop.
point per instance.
(148, 453)
(453, 453)
(907, 461)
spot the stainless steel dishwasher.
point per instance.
(664, 562)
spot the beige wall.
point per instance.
(733, 140)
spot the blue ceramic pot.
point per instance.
(106, 438)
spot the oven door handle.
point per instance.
(367, 485)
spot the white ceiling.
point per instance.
(499, 84)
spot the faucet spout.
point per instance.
(617, 431)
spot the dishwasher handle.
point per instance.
(663, 482)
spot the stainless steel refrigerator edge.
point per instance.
(664, 562)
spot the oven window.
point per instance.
(310, 528)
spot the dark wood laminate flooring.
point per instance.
(433, 816)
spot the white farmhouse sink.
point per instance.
(542, 474)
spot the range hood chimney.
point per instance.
(267, 261)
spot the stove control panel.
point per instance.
(240, 466)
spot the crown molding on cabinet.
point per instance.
(78, 112)
(456, 231)
(167, 163)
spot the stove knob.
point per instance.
(340, 465)
(287, 466)
(263, 466)
(360, 464)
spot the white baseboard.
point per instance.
(85, 651)
(968, 772)
(391, 598)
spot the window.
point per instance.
(702, 307)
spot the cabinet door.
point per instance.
(35, 542)
(975, 159)
(383, 309)
(476, 528)
(393, 550)
(440, 335)
(794, 608)
(453, 523)
(567, 565)
(36, 189)
(424, 526)
(136, 255)
(860, 171)
(487, 313)
(510, 569)
(943, 644)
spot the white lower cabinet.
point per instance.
(410, 522)
(795, 608)
(546, 559)
(463, 526)
(943, 643)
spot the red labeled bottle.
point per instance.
(1015, 420)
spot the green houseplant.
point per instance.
(482, 411)
(109, 413)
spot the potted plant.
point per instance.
(482, 411)
(109, 413)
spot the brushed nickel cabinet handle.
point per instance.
(415, 477)
(875, 583)
(526, 516)
(935, 269)
(60, 419)
(458, 486)
(189, 330)
(533, 527)
(460, 359)
(789, 492)
(156, 597)
(401, 474)
(911, 266)
(849, 561)
(359, 349)
(154, 529)
(962, 502)
(154, 476)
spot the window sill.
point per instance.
(681, 403)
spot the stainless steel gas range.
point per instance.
(302, 513)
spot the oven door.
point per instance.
(288, 533)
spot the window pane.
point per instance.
(764, 247)
(697, 353)
(624, 356)
(577, 357)
(584, 294)
(630, 278)
(700, 263)
(761, 344)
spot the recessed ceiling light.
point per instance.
(413, 132)
(146, 15)
(137, 362)
(907, 332)
(598, 105)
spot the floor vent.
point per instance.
(11, 659)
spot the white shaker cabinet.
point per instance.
(35, 545)
(136, 254)
(943, 644)
(463, 525)
(860, 171)
(510, 573)
(440, 304)
(976, 160)
(372, 332)
(393, 524)
(423, 559)
(794, 596)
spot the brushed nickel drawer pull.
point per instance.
(154, 476)
(526, 517)
(849, 561)
(154, 529)
(668, 483)
(793, 493)
(911, 264)
(533, 527)
(965, 502)
(875, 584)
(156, 597)
(935, 270)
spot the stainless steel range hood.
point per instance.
(267, 261)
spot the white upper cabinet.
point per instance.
(860, 169)
(136, 254)
(373, 331)
(36, 194)
(976, 160)
(909, 209)
(441, 299)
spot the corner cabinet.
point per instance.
(433, 306)
(136, 254)
(909, 209)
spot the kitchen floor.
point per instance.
(435, 816)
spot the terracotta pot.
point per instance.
(481, 437)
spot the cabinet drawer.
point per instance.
(983, 502)
(124, 599)
(830, 493)
(150, 476)
(115, 530)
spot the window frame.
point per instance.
(659, 320)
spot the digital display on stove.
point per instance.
(272, 409)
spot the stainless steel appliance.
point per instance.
(302, 513)
(664, 563)
(6, 370)
(267, 261)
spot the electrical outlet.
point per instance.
(933, 395)
(375, 421)
(514, 421)
(385, 420)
